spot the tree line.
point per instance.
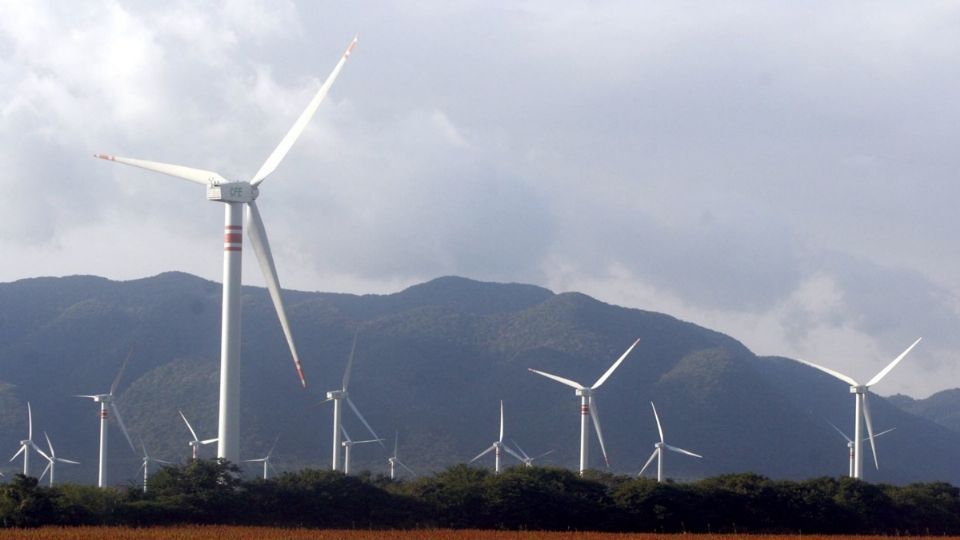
(534, 498)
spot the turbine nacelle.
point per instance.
(859, 389)
(337, 394)
(232, 192)
(584, 392)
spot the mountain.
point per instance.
(432, 362)
(942, 407)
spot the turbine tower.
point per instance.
(862, 407)
(348, 443)
(658, 449)
(527, 460)
(236, 196)
(52, 461)
(266, 460)
(27, 444)
(850, 443)
(145, 467)
(394, 460)
(108, 404)
(195, 442)
(338, 397)
(498, 447)
(588, 409)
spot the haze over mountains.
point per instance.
(432, 362)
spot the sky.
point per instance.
(783, 172)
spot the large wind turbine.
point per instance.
(658, 449)
(498, 447)
(145, 467)
(195, 442)
(862, 407)
(588, 407)
(394, 460)
(266, 460)
(236, 196)
(27, 444)
(349, 443)
(52, 460)
(108, 404)
(338, 397)
(850, 443)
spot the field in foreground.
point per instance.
(244, 533)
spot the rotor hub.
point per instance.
(232, 192)
(860, 389)
(336, 394)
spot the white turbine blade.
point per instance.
(199, 176)
(187, 422)
(345, 435)
(884, 432)
(408, 469)
(210, 441)
(364, 420)
(38, 450)
(346, 372)
(525, 456)
(396, 439)
(45, 471)
(142, 467)
(845, 378)
(258, 239)
(163, 461)
(86, 396)
(891, 365)
(866, 417)
(842, 434)
(603, 378)
(485, 452)
(272, 446)
(512, 453)
(682, 451)
(501, 421)
(545, 454)
(368, 441)
(20, 451)
(50, 445)
(61, 460)
(561, 380)
(596, 427)
(649, 461)
(123, 428)
(272, 468)
(657, 418)
(254, 460)
(291, 137)
(29, 422)
(116, 380)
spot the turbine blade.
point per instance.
(346, 372)
(368, 441)
(408, 469)
(649, 461)
(501, 421)
(884, 432)
(116, 381)
(603, 378)
(560, 380)
(883, 373)
(29, 422)
(123, 428)
(272, 446)
(38, 450)
(45, 471)
(525, 456)
(165, 462)
(866, 416)
(845, 378)
(545, 454)
(187, 422)
(512, 453)
(842, 434)
(291, 137)
(364, 420)
(70, 461)
(20, 451)
(258, 239)
(209, 441)
(396, 439)
(657, 418)
(199, 176)
(596, 427)
(682, 451)
(49, 445)
(481, 454)
(345, 435)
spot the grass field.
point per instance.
(251, 533)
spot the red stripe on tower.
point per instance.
(103, 414)
(584, 409)
(232, 238)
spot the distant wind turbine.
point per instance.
(27, 444)
(394, 460)
(527, 460)
(107, 404)
(236, 196)
(658, 449)
(195, 442)
(145, 467)
(348, 443)
(52, 461)
(850, 443)
(588, 407)
(266, 460)
(498, 447)
(862, 407)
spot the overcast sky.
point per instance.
(784, 172)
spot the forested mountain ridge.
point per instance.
(432, 363)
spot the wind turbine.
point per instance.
(658, 449)
(338, 397)
(394, 460)
(107, 404)
(145, 467)
(196, 442)
(52, 460)
(588, 407)
(265, 460)
(527, 460)
(862, 407)
(236, 196)
(27, 444)
(349, 443)
(850, 443)
(498, 447)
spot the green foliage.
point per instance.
(24, 504)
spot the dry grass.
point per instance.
(251, 533)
